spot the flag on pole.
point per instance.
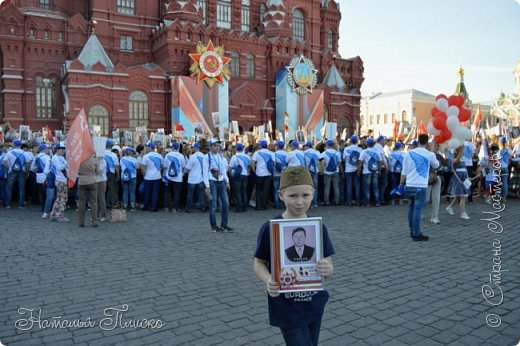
(50, 137)
(422, 129)
(478, 119)
(79, 146)
(396, 129)
(484, 148)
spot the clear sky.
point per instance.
(419, 44)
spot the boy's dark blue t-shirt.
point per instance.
(294, 309)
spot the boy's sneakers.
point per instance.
(435, 220)
(103, 219)
(450, 210)
(45, 216)
(465, 216)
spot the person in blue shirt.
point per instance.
(298, 315)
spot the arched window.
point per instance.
(98, 115)
(329, 40)
(378, 117)
(298, 25)
(46, 35)
(393, 118)
(45, 97)
(32, 33)
(202, 4)
(138, 109)
(224, 14)
(385, 118)
(250, 70)
(235, 64)
(245, 15)
(325, 112)
(60, 36)
(262, 12)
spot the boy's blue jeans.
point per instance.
(417, 199)
(305, 336)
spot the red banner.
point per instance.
(79, 146)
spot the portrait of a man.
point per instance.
(299, 252)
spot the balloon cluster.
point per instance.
(447, 122)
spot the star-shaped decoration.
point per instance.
(210, 64)
(302, 76)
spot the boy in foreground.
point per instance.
(298, 315)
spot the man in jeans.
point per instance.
(416, 166)
(17, 170)
(331, 169)
(369, 164)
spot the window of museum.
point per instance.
(60, 36)
(250, 71)
(403, 116)
(32, 33)
(138, 109)
(224, 14)
(235, 64)
(378, 119)
(126, 6)
(45, 97)
(329, 40)
(371, 122)
(202, 4)
(298, 26)
(245, 15)
(393, 118)
(98, 115)
(385, 118)
(125, 43)
(262, 12)
(44, 3)
(46, 35)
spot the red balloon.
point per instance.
(439, 124)
(439, 139)
(446, 134)
(440, 96)
(441, 115)
(453, 100)
(461, 100)
(464, 115)
(434, 110)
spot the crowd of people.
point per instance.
(362, 171)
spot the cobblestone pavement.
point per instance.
(386, 290)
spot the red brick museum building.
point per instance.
(116, 58)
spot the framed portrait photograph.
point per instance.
(296, 249)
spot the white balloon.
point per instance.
(453, 111)
(468, 134)
(432, 130)
(453, 123)
(453, 143)
(442, 105)
(462, 133)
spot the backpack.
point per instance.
(19, 163)
(237, 171)
(398, 166)
(281, 163)
(173, 170)
(353, 157)
(332, 166)
(311, 162)
(39, 165)
(268, 161)
(373, 165)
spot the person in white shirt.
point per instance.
(129, 166)
(101, 181)
(505, 159)
(331, 169)
(352, 180)
(41, 160)
(369, 165)
(467, 158)
(383, 175)
(312, 160)
(113, 173)
(395, 166)
(263, 166)
(151, 166)
(240, 176)
(280, 165)
(174, 164)
(3, 175)
(416, 166)
(217, 186)
(59, 168)
(17, 169)
(295, 157)
(194, 168)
